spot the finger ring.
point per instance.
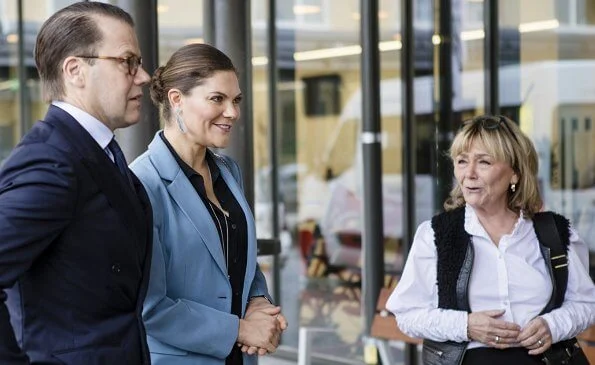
(497, 339)
(540, 343)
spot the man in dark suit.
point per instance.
(75, 223)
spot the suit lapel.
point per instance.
(186, 197)
(103, 172)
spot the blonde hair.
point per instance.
(504, 140)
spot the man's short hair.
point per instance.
(71, 31)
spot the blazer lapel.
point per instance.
(103, 171)
(250, 223)
(186, 197)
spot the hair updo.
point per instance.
(156, 87)
(187, 68)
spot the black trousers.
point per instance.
(236, 358)
(492, 356)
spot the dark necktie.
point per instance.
(120, 161)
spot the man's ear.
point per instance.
(73, 71)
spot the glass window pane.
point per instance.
(9, 82)
(179, 23)
(16, 115)
(318, 72)
(547, 84)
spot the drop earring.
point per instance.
(180, 121)
(513, 187)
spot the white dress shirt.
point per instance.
(99, 131)
(511, 276)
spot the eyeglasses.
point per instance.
(133, 62)
(492, 122)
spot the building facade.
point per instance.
(533, 60)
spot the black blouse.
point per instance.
(232, 231)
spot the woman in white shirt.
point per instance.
(476, 285)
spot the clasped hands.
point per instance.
(486, 327)
(261, 328)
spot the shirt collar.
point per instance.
(474, 227)
(187, 169)
(99, 131)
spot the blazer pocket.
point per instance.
(158, 347)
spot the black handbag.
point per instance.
(567, 352)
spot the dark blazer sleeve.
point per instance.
(37, 200)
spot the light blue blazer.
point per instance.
(187, 310)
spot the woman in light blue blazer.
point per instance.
(207, 301)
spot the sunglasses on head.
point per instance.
(492, 122)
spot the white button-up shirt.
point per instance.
(511, 276)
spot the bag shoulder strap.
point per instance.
(550, 236)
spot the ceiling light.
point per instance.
(537, 26)
(306, 9)
(194, 40)
(381, 15)
(260, 61)
(469, 35)
(327, 53)
(353, 50)
(343, 51)
(12, 38)
(390, 46)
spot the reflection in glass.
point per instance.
(550, 88)
(9, 82)
(179, 23)
(16, 115)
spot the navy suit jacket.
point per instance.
(75, 249)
